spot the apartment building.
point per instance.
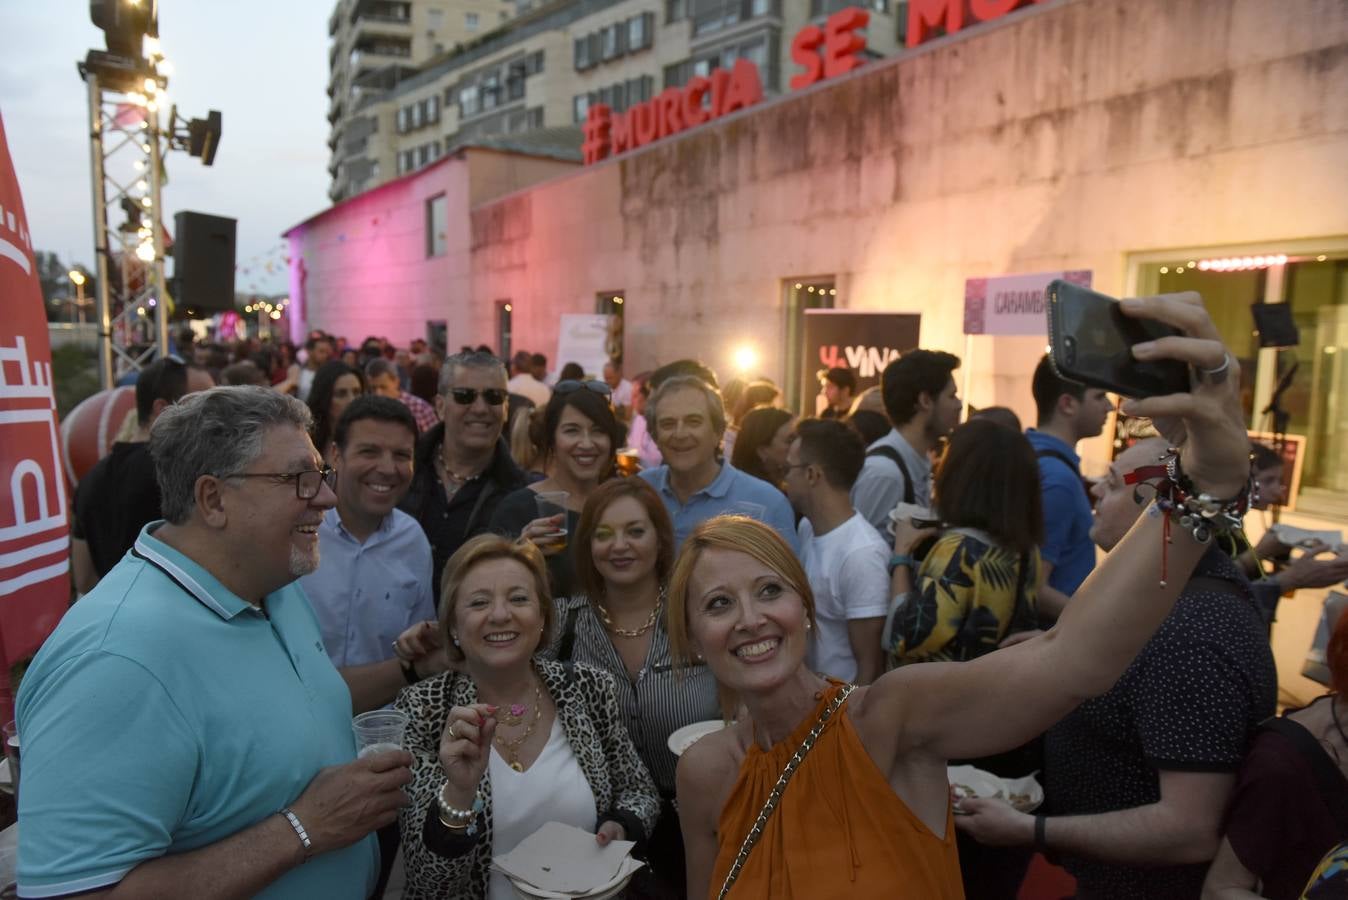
(542, 69)
(376, 44)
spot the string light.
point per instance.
(1241, 263)
(145, 252)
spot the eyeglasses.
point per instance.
(468, 396)
(570, 386)
(307, 483)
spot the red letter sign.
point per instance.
(842, 44)
(805, 53)
(34, 538)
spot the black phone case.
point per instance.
(1110, 367)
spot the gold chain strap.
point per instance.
(775, 794)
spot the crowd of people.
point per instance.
(862, 597)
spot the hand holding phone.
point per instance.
(1091, 342)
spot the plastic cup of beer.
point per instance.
(379, 730)
(10, 735)
(550, 504)
(628, 462)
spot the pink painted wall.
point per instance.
(362, 268)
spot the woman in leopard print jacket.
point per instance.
(509, 737)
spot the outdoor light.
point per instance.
(77, 276)
(145, 252)
(746, 357)
(1241, 263)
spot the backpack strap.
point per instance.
(1333, 786)
(1066, 460)
(889, 453)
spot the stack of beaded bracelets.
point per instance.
(456, 819)
(1199, 513)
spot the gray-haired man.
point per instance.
(184, 732)
(463, 466)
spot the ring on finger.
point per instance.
(1217, 375)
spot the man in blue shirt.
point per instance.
(687, 418)
(1067, 413)
(184, 732)
(375, 579)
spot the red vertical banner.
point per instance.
(34, 535)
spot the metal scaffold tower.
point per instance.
(129, 135)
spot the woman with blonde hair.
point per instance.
(509, 742)
(821, 789)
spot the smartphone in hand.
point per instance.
(1091, 342)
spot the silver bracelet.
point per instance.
(303, 835)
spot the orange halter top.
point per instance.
(839, 829)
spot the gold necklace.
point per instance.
(512, 746)
(631, 632)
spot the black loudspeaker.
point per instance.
(203, 263)
(1275, 325)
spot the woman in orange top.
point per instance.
(867, 812)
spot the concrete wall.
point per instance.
(1065, 136)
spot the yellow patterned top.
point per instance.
(967, 595)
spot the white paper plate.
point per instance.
(528, 892)
(689, 735)
(1025, 794)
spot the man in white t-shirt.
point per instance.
(844, 557)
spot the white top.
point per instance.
(553, 789)
(622, 394)
(527, 385)
(848, 570)
(305, 383)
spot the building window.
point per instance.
(402, 120)
(640, 31)
(580, 107)
(468, 101)
(608, 43)
(583, 60)
(491, 90)
(437, 223)
(675, 10)
(534, 64)
(515, 81)
(470, 21)
(678, 74)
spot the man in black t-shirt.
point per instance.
(119, 494)
(1136, 780)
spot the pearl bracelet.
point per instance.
(454, 818)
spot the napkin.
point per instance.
(564, 859)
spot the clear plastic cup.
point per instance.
(553, 503)
(379, 730)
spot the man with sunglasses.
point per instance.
(185, 733)
(463, 466)
(119, 494)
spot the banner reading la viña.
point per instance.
(34, 536)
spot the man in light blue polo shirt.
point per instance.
(184, 732)
(687, 418)
(1067, 412)
(375, 578)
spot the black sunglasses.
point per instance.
(571, 385)
(468, 396)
